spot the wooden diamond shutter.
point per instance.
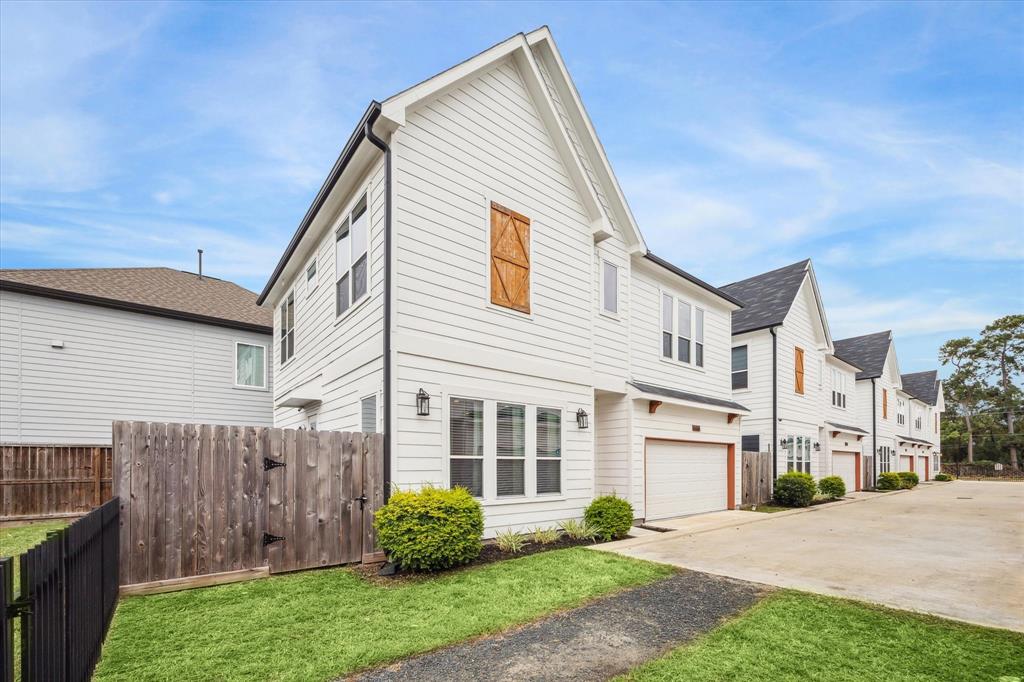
(510, 259)
(799, 365)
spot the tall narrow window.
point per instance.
(698, 337)
(739, 367)
(466, 446)
(311, 277)
(288, 328)
(511, 449)
(250, 365)
(685, 332)
(609, 287)
(798, 367)
(667, 326)
(549, 450)
(368, 414)
(351, 269)
(510, 259)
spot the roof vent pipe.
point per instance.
(200, 263)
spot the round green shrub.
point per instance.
(430, 529)
(832, 486)
(942, 477)
(611, 515)
(795, 489)
(889, 480)
(908, 479)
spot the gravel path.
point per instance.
(596, 641)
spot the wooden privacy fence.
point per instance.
(867, 472)
(200, 499)
(38, 481)
(756, 478)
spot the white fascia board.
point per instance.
(636, 394)
(841, 363)
(821, 307)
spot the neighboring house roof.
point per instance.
(848, 428)
(156, 291)
(687, 276)
(767, 297)
(909, 439)
(868, 352)
(922, 385)
(685, 395)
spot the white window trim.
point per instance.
(305, 275)
(509, 204)
(798, 453)
(490, 474)
(376, 412)
(266, 370)
(732, 371)
(295, 320)
(676, 299)
(353, 304)
(602, 309)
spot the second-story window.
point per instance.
(838, 388)
(351, 269)
(609, 288)
(288, 328)
(901, 417)
(739, 367)
(311, 276)
(682, 331)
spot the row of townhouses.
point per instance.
(471, 282)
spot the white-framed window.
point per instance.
(901, 411)
(351, 265)
(884, 459)
(917, 422)
(502, 449)
(935, 464)
(740, 374)
(682, 331)
(609, 288)
(250, 365)
(798, 454)
(838, 388)
(287, 317)
(368, 414)
(312, 279)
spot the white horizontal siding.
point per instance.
(612, 446)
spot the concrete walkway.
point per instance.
(951, 549)
(594, 642)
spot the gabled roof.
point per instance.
(868, 352)
(156, 291)
(922, 385)
(767, 297)
(691, 278)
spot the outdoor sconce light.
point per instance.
(817, 446)
(422, 403)
(582, 418)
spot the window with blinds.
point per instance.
(739, 368)
(549, 451)
(467, 445)
(368, 414)
(510, 434)
(288, 328)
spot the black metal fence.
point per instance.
(68, 592)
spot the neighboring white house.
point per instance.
(84, 347)
(470, 281)
(924, 422)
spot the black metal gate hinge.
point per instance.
(19, 607)
(269, 539)
(269, 464)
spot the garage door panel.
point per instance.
(922, 463)
(685, 478)
(844, 465)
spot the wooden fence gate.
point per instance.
(199, 499)
(867, 472)
(757, 478)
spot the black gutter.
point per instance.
(874, 438)
(687, 276)
(89, 299)
(347, 153)
(388, 275)
(775, 405)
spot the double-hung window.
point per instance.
(250, 365)
(549, 450)
(351, 269)
(901, 407)
(311, 277)
(511, 449)
(466, 445)
(884, 459)
(288, 328)
(838, 388)
(739, 368)
(609, 288)
(682, 331)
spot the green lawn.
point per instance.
(794, 636)
(322, 624)
(15, 540)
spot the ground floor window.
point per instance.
(798, 454)
(501, 449)
(884, 459)
(935, 462)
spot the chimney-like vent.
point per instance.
(200, 263)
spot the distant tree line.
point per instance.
(984, 399)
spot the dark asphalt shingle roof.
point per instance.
(867, 352)
(766, 298)
(909, 439)
(658, 260)
(154, 290)
(847, 428)
(922, 385)
(686, 395)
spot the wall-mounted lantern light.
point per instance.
(817, 446)
(582, 418)
(422, 403)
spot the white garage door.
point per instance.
(844, 465)
(922, 462)
(685, 478)
(905, 463)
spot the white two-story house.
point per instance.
(919, 438)
(800, 394)
(470, 282)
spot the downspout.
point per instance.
(384, 147)
(874, 437)
(775, 405)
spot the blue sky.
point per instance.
(885, 141)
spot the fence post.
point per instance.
(6, 628)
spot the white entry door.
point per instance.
(844, 465)
(685, 478)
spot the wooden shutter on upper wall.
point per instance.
(885, 404)
(799, 366)
(510, 259)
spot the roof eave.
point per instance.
(693, 280)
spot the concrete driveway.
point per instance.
(951, 549)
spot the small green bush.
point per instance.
(612, 516)
(889, 480)
(430, 529)
(795, 489)
(510, 542)
(579, 530)
(545, 536)
(984, 463)
(832, 487)
(908, 479)
(942, 477)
